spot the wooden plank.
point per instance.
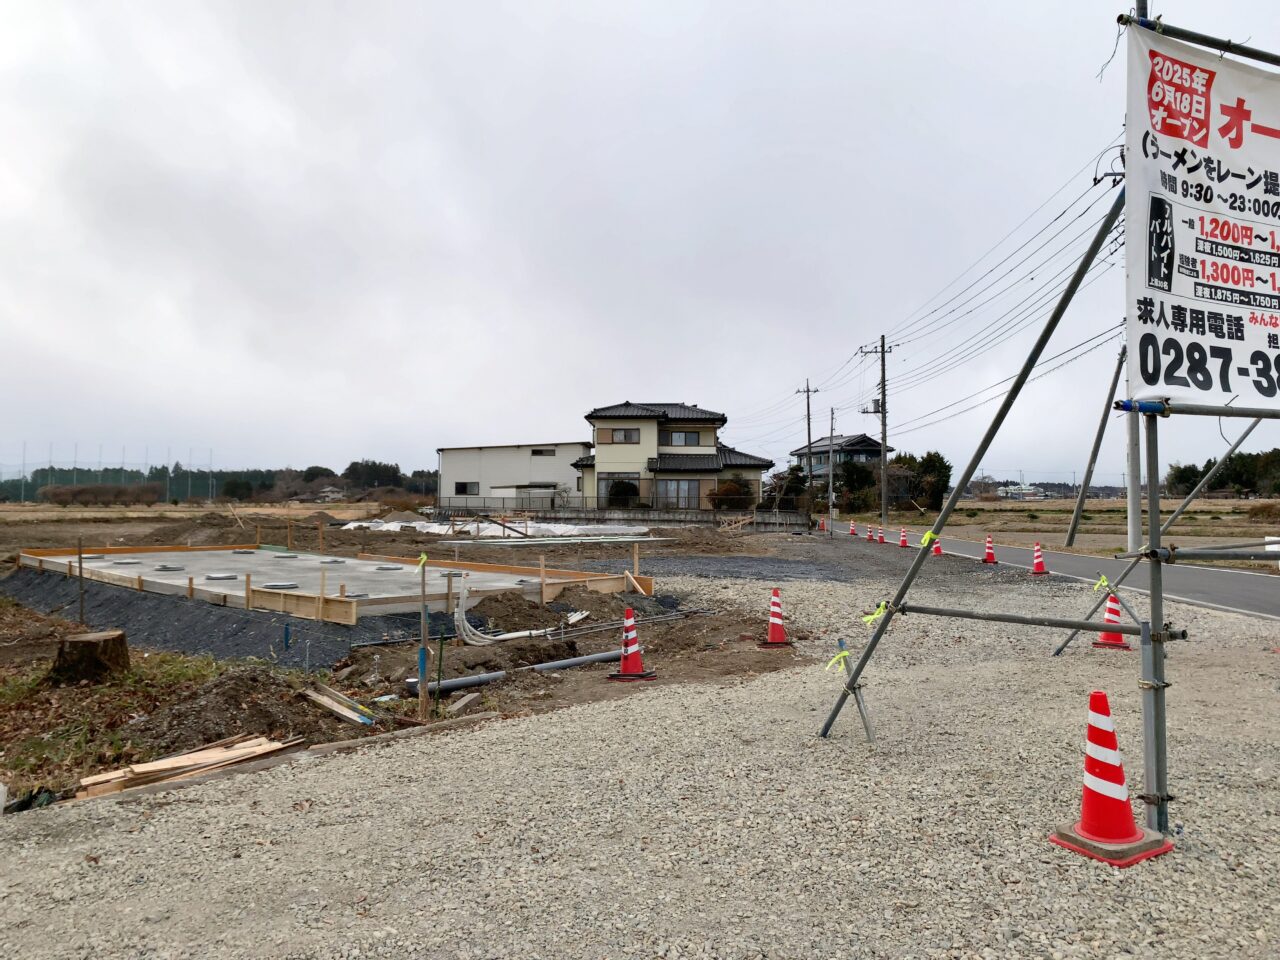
(196, 758)
(171, 548)
(334, 707)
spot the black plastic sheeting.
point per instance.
(160, 622)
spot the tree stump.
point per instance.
(89, 656)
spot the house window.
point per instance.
(678, 494)
(544, 451)
(466, 489)
(617, 489)
(679, 438)
(579, 483)
(628, 435)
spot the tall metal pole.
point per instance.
(1133, 480)
(1014, 390)
(1093, 454)
(884, 442)
(1155, 761)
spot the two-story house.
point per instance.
(663, 455)
(843, 449)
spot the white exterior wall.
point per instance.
(508, 467)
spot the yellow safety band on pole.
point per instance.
(928, 538)
(838, 658)
(1102, 582)
(422, 560)
(880, 611)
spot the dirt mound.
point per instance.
(512, 611)
(402, 516)
(604, 607)
(252, 700)
(318, 517)
(206, 529)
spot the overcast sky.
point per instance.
(301, 233)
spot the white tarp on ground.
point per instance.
(483, 529)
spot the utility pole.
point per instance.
(831, 476)
(881, 407)
(808, 430)
(808, 450)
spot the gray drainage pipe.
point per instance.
(480, 679)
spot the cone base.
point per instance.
(1151, 845)
(631, 677)
(770, 644)
(992, 562)
(1117, 644)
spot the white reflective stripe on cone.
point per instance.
(634, 648)
(1116, 791)
(1105, 754)
(1102, 721)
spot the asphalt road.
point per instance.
(1239, 591)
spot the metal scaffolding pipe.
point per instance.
(1164, 527)
(1178, 554)
(1164, 408)
(1019, 381)
(1202, 39)
(1093, 453)
(481, 679)
(1155, 761)
(1131, 629)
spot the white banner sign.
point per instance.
(1202, 226)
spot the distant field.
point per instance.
(17, 512)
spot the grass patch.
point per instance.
(55, 735)
(1265, 511)
(1032, 516)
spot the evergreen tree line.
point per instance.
(1244, 473)
(112, 485)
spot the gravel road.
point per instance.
(710, 821)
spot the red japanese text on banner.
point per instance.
(1202, 226)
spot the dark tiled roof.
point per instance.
(684, 463)
(730, 457)
(664, 412)
(588, 461)
(842, 443)
(723, 459)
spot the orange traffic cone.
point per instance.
(1106, 829)
(902, 537)
(871, 534)
(853, 529)
(632, 666)
(1037, 562)
(880, 534)
(777, 632)
(822, 525)
(1109, 639)
(990, 556)
(937, 547)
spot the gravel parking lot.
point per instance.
(710, 821)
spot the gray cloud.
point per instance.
(397, 226)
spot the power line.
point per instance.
(981, 403)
